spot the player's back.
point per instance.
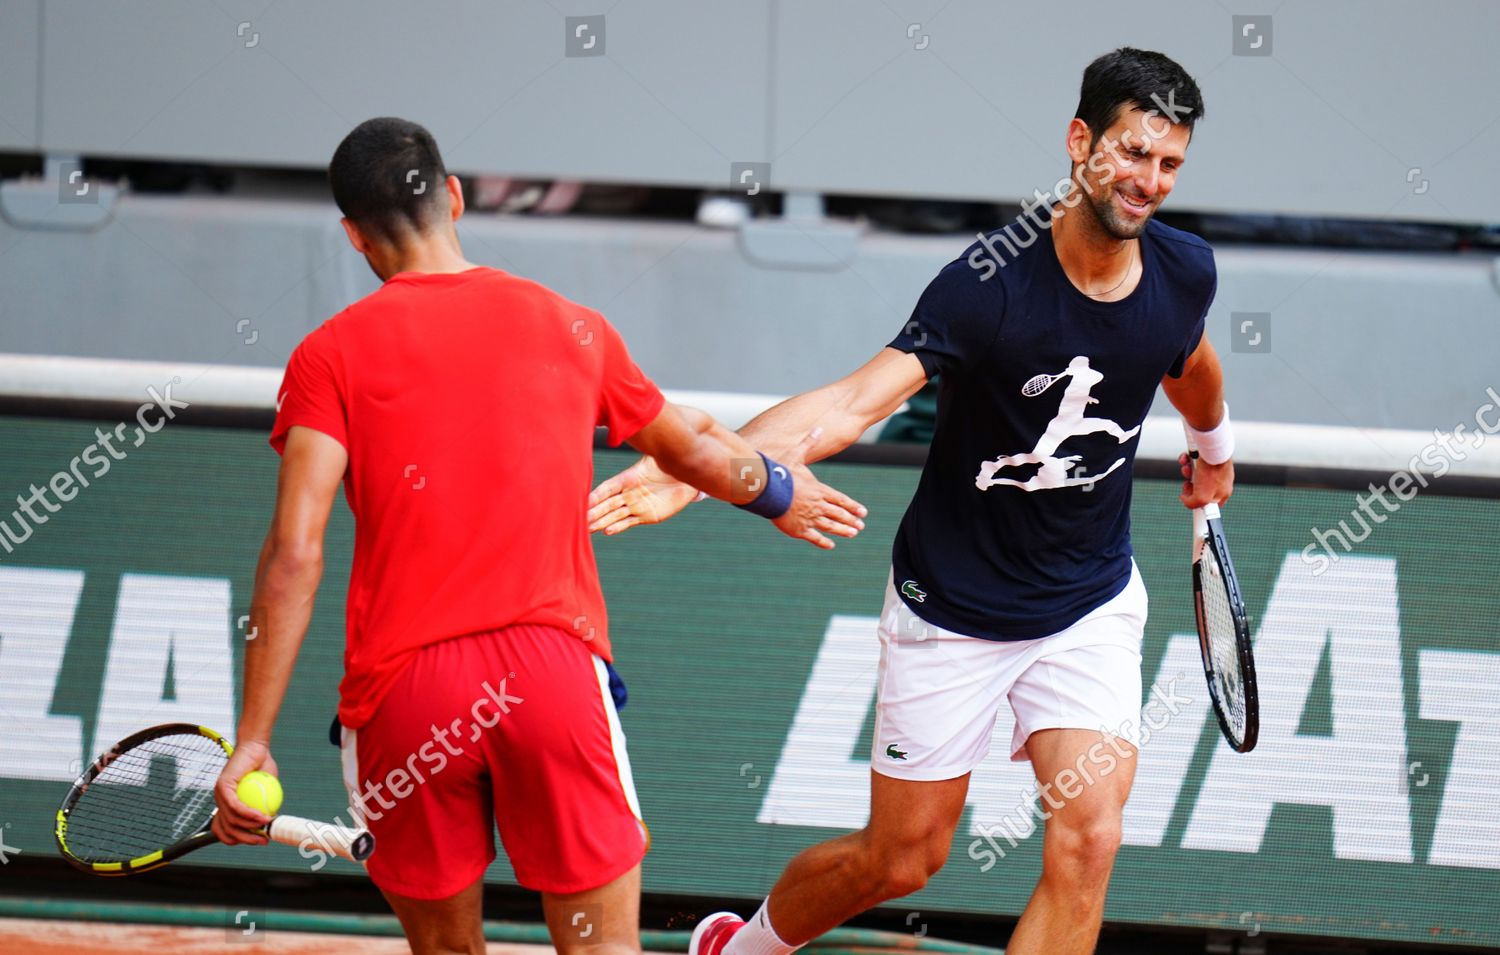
(468, 403)
(476, 393)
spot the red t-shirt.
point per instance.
(467, 403)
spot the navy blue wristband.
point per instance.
(775, 499)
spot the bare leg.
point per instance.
(451, 926)
(602, 921)
(1078, 850)
(907, 840)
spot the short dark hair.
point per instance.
(1129, 78)
(387, 178)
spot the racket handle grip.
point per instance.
(1209, 511)
(356, 845)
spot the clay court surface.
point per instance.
(47, 937)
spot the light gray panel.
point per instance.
(1355, 95)
(1374, 339)
(979, 111)
(20, 45)
(185, 80)
(678, 95)
(204, 279)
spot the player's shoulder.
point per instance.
(535, 293)
(527, 298)
(324, 339)
(1183, 250)
(960, 295)
(971, 277)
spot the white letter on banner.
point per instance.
(160, 621)
(1360, 770)
(819, 779)
(1166, 755)
(1461, 687)
(36, 618)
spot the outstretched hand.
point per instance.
(645, 494)
(817, 509)
(641, 494)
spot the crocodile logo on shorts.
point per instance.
(894, 753)
(911, 591)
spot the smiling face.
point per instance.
(1127, 171)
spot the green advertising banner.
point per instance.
(1367, 810)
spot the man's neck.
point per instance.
(436, 256)
(1090, 256)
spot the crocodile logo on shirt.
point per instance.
(892, 752)
(911, 591)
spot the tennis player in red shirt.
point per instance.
(457, 406)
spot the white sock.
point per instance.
(758, 937)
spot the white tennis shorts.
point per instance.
(939, 691)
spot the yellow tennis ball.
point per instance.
(261, 792)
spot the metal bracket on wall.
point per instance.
(803, 238)
(63, 199)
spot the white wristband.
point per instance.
(1215, 446)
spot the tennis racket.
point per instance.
(150, 800)
(1037, 384)
(1223, 630)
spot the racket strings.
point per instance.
(1037, 384)
(1223, 642)
(152, 796)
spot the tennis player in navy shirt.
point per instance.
(1012, 581)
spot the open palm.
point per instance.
(641, 494)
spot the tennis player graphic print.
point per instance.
(1070, 421)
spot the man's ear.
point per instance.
(455, 197)
(355, 238)
(1078, 140)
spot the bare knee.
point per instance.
(900, 867)
(1082, 851)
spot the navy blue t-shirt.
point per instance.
(1021, 522)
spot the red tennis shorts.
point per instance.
(514, 727)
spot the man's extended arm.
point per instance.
(286, 583)
(841, 411)
(800, 430)
(688, 445)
